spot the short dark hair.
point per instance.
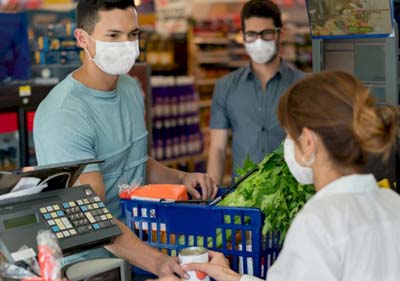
(87, 11)
(261, 9)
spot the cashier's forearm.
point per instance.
(129, 247)
(159, 173)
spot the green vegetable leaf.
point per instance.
(273, 190)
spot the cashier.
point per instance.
(350, 229)
(98, 112)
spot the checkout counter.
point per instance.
(76, 216)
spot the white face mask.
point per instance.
(303, 175)
(261, 51)
(115, 58)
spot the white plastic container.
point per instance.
(198, 255)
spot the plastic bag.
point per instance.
(125, 189)
(50, 256)
(13, 271)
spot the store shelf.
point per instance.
(190, 158)
(217, 1)
(59, 7)
(206, 82)
(212, 60)
(205, 103)
(211, 41)
(237, 64)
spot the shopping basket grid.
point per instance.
(236, 232)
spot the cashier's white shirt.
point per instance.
(349, 231)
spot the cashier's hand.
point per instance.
(218, 268)
(208, 188)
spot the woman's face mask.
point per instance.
(303, 175)
(115, 58)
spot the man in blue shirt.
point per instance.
(98, 112)
(245, 101)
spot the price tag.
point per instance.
(25, 91)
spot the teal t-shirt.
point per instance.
(75, 122)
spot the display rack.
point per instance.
(21, 98)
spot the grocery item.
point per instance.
(194, 254)
(273, 190)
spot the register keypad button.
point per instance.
(47, 216)
(66, 222)
(66, 233)
(72, 204)
(49, 209)
(79, 202)
(97, 199)
(59, 235)
(55, 228)
(73, 232)
(65, 205)
(56, 207)
(43, 210)
(51, 222)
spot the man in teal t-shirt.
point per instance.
(98, 112)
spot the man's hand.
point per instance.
(217, 268)
(168, 266)
(208, 188)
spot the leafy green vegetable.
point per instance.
(273, 190)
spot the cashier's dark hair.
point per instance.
(341, 110)
(87, 11)
(261, 9)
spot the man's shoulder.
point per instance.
(233, 76)
(60, 99)
(293, 73)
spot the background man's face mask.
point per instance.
(261, 51)
(115, 58)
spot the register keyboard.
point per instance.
(77, 217)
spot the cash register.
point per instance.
(76, 215)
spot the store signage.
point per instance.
(171, 16)
(350, 18)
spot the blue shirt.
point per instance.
(75, 122)
(240, 104)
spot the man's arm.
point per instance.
(128, 246)
(217, 154)
(159, 173)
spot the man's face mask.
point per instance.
(115, 58)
